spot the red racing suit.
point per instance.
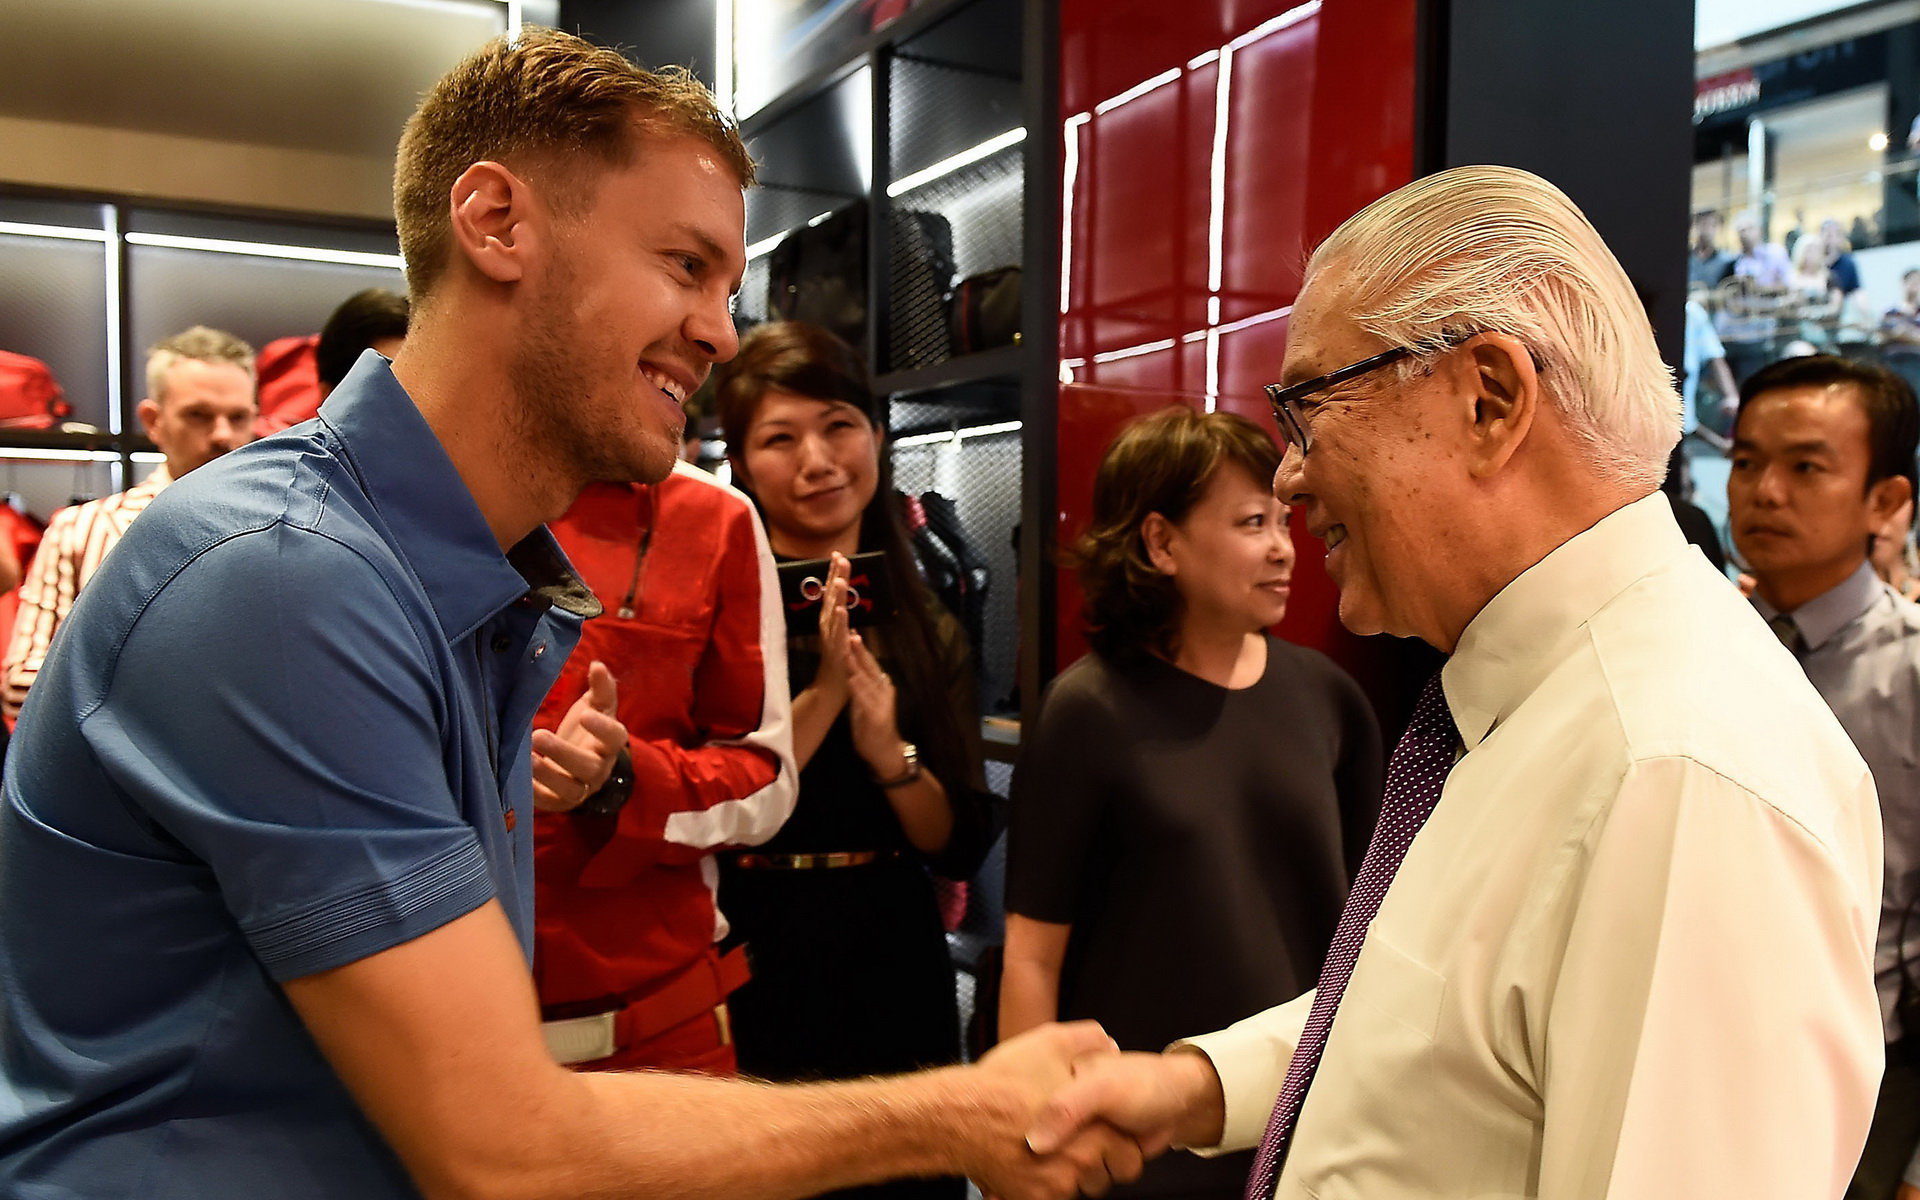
(625, 921)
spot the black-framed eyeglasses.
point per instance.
(1286, 400)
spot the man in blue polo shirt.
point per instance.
(265, 874)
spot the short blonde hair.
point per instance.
(1496, 249)
(200, 344)
(549, 99)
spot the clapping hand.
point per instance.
(872, 709)
(835, 632)
(572, 762)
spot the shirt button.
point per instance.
(502, 643)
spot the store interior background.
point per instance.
(1158, 171)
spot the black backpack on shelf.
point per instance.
(984, 311)
(818, 274)
(951, 565)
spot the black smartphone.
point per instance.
(803, 585)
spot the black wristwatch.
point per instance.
(612, 795)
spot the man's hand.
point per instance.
(570, 764)
(1014, 1082)
(1158, 1100)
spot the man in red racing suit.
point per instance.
(693, 633)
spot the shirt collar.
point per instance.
(156, 479)
(1834, 609)
(431, 515)
(1518, 637)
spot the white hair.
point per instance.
(1489, 249)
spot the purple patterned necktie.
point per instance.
(1415, 775)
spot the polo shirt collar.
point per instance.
(432, 516)
(1522, 633)
(1831, 611)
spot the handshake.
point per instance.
(1060, 1111)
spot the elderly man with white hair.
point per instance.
(1614, 934)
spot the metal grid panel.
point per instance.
(255, 299)
(951, 408)
(979, 206)
(940, 110)
(982, 476)
(774, 209)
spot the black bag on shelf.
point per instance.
(984, 311)
(958, 574)
(818, 274)
(921, 275)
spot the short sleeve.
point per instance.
(273, 710)
(1058, 803)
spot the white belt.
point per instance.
(580, 1039)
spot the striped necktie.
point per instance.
(1415, 776)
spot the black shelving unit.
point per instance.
(89, 280)
(899, 120)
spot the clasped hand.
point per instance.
(850, 674)
(1094, 1115)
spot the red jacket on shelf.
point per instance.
(695, 637)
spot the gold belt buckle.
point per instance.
(808, 862)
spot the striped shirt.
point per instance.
(76, 541)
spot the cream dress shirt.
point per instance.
(1630, 955)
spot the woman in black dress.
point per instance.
(1194, 798)
(850, 969)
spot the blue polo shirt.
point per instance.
(285, 727)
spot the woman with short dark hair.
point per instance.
(1195, 795)
(850, 969)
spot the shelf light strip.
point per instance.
(65, 233)
(947, 166)
(350, 258)
(67, 454)
(957, 435)
(57, 454)
(766, 245)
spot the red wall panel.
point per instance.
(1184, 240)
